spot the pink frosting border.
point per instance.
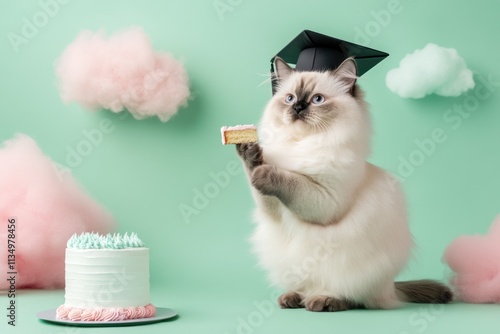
(105, 314)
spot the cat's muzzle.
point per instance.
(300, 106)
(299, 110)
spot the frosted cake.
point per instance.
(107, 279)
(239, 134)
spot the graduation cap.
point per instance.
(311, 51)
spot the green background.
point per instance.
(143, 171)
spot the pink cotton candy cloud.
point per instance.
(476, 263)
(48, 206)
(122, 72)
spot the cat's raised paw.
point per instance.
(327, 304)
(266, 179)
(290, 300)
(251, 153)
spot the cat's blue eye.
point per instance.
(290, 98)
(317, 99)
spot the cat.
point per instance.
(331, 227)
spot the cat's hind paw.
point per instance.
(328, 304)
(290, 300)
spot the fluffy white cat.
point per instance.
(331, 228)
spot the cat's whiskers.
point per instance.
(269, 78)
(321, 123)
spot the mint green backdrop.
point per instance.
(144, 172)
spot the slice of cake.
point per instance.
(107, 279)
(239, 134)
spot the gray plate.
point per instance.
(161, 314)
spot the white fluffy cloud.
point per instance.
(431, 70)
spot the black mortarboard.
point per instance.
(311, 51)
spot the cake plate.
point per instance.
(162, 314)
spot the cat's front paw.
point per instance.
(251, 153)
(267, 180)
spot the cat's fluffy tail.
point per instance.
(423, 291)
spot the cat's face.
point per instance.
(308, 102)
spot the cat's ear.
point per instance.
(283, 71)
(347, 72)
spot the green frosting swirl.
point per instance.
(109, 241)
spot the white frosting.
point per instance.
(107, 278)
(238, 127)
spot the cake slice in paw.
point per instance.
(239, 134)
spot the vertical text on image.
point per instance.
(11, 271)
